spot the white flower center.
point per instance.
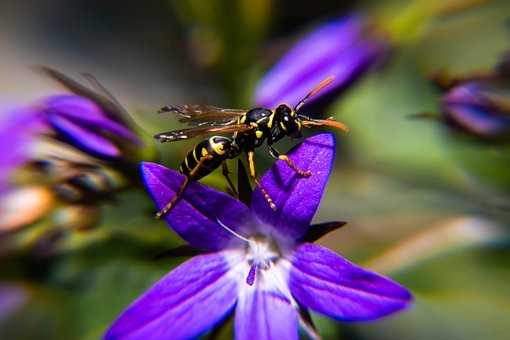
(261, 252)
(263, 261)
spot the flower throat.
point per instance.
(261, 253)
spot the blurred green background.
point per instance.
(426, 207)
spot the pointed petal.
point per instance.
(296, 198)
(340, 48)
(326, 283)
(316, 231)
(195, 216)
(185, 303)
(82, 138)
(264, 315)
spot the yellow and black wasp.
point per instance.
(249, 129)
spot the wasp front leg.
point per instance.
(183, 186)
(277, 155)
(251, 166)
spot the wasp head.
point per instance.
(289, 121)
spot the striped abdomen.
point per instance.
(216, 148)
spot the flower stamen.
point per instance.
(239, 236)
(250, 279)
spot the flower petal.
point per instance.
(296, 198)
(264, 315)
(195, 216)
(467, 107)
(477, 121)
(339, 48)
(82, 138)
(18, 128)
(326, 283)
(185, 303)
(83, 111)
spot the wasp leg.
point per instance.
(277, 155)
(183, 186)
(253, 175)
(226, 173)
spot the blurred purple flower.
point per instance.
(477, 104)
(17, 131)
(11, 298)
(78, 147)
(87, 126)
(258, 261)
(479, 107)
(343, 48)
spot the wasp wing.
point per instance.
(197, 114)
(177, 135)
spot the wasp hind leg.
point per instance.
(183, 186)
(277, 155)
(225, 172)
(253, 175)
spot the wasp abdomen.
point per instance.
(206, 156)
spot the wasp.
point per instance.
(248, 130)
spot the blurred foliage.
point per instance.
(225, 35)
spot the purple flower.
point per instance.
(85, 125)
(17, 131)
(11, 298)
(479, 107)
(342, 48)
(257, 262)
(78, 147)
(90, 120)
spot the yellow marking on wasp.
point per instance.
(284, 128)
(186, 162)
(259, 134)
(292, 113)
(195, 157)
(217, 147)
(255, 125)
(242, 119)
(251, 164)
(204, 152)
(270, 122)
(300, 126)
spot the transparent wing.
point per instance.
(201, 130)
(197, 114)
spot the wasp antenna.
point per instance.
(326, 122)
(321, 85)
(314, 91)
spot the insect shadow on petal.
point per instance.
(247, 130)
